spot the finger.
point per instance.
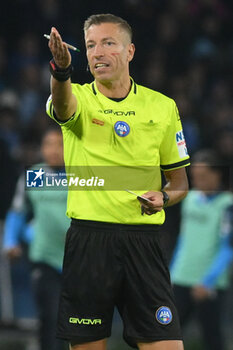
(52, 36)
(53, 43)
(55, 39)
(155, 206)
(57, 43)
(142, 210)
(150, 211)
(65, 49)
(55, 33)
(144, 202)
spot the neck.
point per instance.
(117, 89)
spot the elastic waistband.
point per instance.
(115, 226)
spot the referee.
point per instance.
(113, 255)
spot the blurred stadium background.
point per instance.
(184, 49)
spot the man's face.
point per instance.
(52, 148)
(109, 51)
(204, 178)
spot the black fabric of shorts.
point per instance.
(108, 265)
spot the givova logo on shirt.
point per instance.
(118, 113)
(181, 144)
(122, 128)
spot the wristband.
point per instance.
(165, 198)
(60, 74)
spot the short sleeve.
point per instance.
(50, 111)
(173, 150)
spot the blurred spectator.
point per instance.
(50, 9)
(226, 230)
(46, 243)
(3, 63)
(27, 52)
(196, 76)
(29, 92)
(190, 125)
(224, 145)
(9, 131)
(155, 70)
(8, 177)
(199, 282)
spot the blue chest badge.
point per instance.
(164, 315)
(122, 128)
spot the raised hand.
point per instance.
(59, 49)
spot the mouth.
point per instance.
(101, 65)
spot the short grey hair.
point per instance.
(108, 18)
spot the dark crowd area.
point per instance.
(184, 49)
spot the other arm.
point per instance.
(15, 221)
(221, 261)
(176, 188)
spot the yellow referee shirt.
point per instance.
(111, 146)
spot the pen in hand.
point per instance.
(71, 47)
(140, 198)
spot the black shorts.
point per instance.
(107, 265)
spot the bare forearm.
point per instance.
(176, 186)
(64, 101)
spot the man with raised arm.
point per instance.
(113, 255)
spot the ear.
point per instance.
(131, 50)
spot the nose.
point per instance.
(98, 51)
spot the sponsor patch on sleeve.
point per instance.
(181, 144)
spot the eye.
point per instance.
(109, 43)
(90, 46)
